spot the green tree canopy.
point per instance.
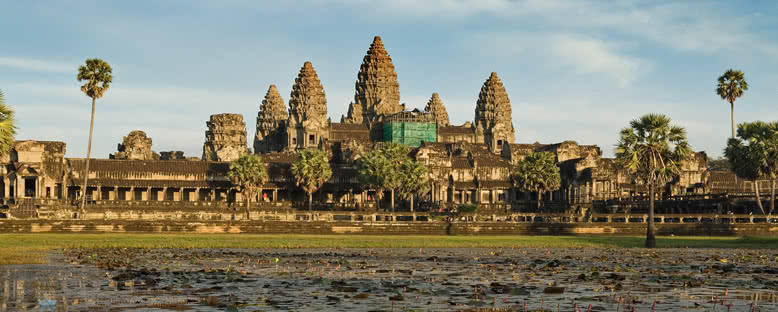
(753, 154)
(311, 170)
(730, 87)
(415, 179)
(247, 174)
(381, 168)
(652, 150)
(538, 172)
(97, 76)
(7, 127)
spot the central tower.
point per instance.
(377, 90)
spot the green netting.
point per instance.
(410, 133)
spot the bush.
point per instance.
(466, 208)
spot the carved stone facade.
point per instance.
(435, 106)
(225, 139)
(271, 123)
(469, 163)
(135, 146)
(377, 90)
(308, 123)
(493, 121)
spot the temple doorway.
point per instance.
(29, 187)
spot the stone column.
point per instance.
(99, 193)
(7, 185)
(146, 195)
(275, 195)
(132, 193)
(164, 194)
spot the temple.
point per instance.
(469, 163)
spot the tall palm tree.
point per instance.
(97, 76)
(731, 86)
(248, 173)
(311, 170)
(651, 149)
(538, 172)
(7, 127)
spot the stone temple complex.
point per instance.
(469, 163)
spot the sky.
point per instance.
(574, 70)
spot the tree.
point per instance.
(248, 173)
(97, 76)
(311, 170)
(652, 150)
(538, 172)
(754, 154)
(415, 179)
(719, 164)
(381, 168)
(7, 127)
(731, 86)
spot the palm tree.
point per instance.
(730, 87)
(415, 179)
(754, 154)
(381, 168)
(538, 172)
(651, 149)
(7, 127)
(248, 173)
(311, 170)
(97, 74)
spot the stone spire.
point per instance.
(308, 124)
(225, 139)
(135, 146)
(307, 101)
(435, 106)
(493, 113)
(377, 90)
(271, 123)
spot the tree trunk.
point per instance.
(411, 202)
(248, 202)
(392, 201)
(88, 154)
(758, 197)
(772, 195)
(539, 196)
(732, 116)
(650, 235)
(310, 201)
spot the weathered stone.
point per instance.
(172, 155)
(377, 90)
(225, 139)
(308, 125)
(135, 146)
(435, 106)
(271, 123)
(493, 114)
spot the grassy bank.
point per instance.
(30, 248)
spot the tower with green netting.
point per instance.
(411, 128)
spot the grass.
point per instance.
(31, 248)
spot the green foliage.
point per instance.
(415, 178)
(248, 173)
(538, 172)
(311, 169)
(467, 208)
(98, 77)
(719, 164)
(7, 127)
(651, 149)
(754, 154)
(731, 85)
(382, 168)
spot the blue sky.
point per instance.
(574, 70)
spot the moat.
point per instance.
(438, 279)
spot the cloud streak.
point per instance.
(36, 65)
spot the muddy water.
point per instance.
(395, 279)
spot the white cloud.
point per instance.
(589, 55)
(36, 65)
